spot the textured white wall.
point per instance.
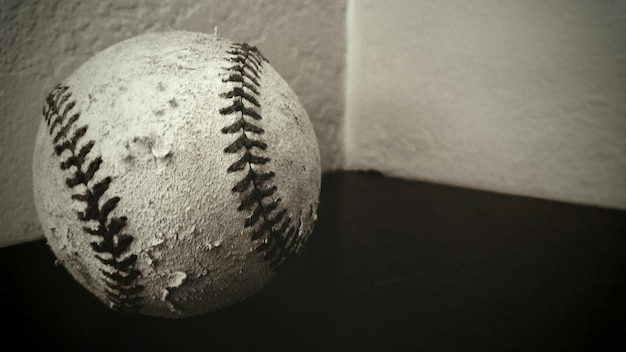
(524, 97)
(42, 42)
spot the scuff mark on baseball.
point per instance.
(175, 174)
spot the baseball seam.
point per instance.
(111, 245)
(271, 224)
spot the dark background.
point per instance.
(391, 266)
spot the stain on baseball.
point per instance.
(175, 174)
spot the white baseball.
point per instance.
(175, 174)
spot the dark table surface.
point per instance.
(392, 266)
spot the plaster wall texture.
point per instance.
(43, 42)
(519, 97)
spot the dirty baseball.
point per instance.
(175, 174)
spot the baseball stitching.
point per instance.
(271, 224)
(111, 245)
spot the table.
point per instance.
(392, 265)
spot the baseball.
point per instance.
(175, 174)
